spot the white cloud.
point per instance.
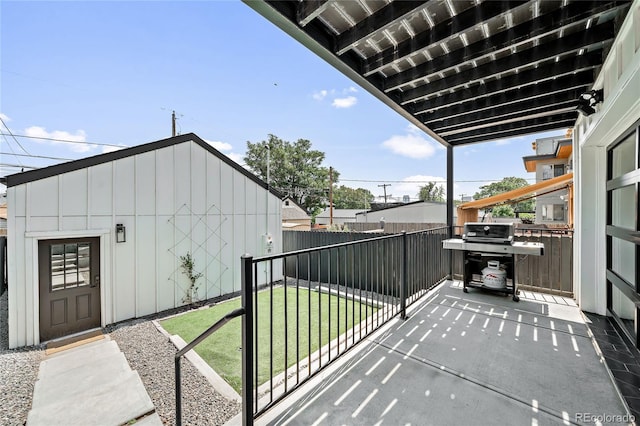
(238, 158)
(74, 141)
(108, 148)
(220, 146)
(320, 95)
(4, 117)
(411, 145)
(225, 147)
(503, 142)
(347, 102)
(351, 89)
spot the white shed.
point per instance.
(103, 239)
(415, 212)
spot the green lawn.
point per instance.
(222, 350)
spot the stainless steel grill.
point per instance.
(482, 243)
(497, 233)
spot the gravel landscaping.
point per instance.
(152, 355)
(19, 371)
(148, 352)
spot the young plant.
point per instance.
(188, 268)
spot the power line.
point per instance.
(18, 166)
(424, 181)
(36, 156)
(10, 147)
(62, 140)
(12, 135)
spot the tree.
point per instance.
(349, 198)
(506, 184)
(294, 169)
(431, 192)
(503, 210)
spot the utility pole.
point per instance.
(330, 196)
(384, 187)
(173, 123)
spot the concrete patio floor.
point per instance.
(474, 358)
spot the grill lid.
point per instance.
(499, 233)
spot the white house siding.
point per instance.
(620, 78)
(554, 198)
(172, 200)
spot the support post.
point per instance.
(450, 205)
(405, 279)
(247, 339)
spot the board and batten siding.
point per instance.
(172, 200)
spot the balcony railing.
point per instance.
(303, 309)
(327, 299)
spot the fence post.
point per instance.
(247, 338)
(403, 285)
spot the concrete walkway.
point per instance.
(473, 359)
(91, 384)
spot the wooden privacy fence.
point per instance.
(549, 273)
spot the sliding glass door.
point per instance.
(623, 238)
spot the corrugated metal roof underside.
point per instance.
(464, 71)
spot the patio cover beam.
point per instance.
(553, 70)
(517, 194)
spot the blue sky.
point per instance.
(112, 72)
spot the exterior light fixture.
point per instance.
(121, 233)
(588, 100)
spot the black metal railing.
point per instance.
(302, 309)
(313, 305)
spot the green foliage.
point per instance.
(349, 198)
(337, 227)
(431, 192)
(187, 265)
(294, 169)
(506, 184)
(503, 210)
(527, 217)
(222, 350)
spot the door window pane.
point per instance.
(70, 265)
(623, 211)
(57, 266)
(625, 310)
(624, 157)
(623, 259)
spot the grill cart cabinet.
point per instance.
(489, 252)
(476, 262)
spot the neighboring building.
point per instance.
(3, 219)
(340, 216)
(100, 240)
(294, 216)
(415, 212)
(553, 158)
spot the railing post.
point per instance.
(247, 339)
(178, 393)
(403, 285)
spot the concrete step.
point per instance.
(90, 384)
(111, 404)
(78, 381)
